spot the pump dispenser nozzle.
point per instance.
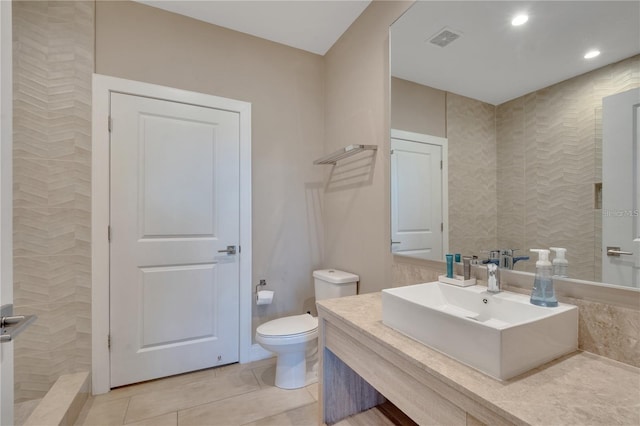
(560, 263)
(543, 257)
(543, 293)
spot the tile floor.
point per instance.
(237, 394)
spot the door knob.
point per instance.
(229, 250)
(615, 251)
(12, 325)
(5, 321)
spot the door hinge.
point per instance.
(392, 152)
(110, 124)
(440, 164)
(108, 341)
(441, 226)
(239, 249)
(109, 233)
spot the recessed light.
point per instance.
(519, 19)
(591, 54)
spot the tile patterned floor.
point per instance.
(238, 394)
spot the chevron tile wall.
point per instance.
(549, 158)
(472, 158)
(53, 64)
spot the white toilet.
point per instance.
(294, 339)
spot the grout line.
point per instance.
(143, 392)
(213, 402)
(126, 411)
(153, 417)
(282, 412)
(194, 406)
(256, 377)
(311, 393)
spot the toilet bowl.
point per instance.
(294, 339)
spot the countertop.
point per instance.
(578, 389)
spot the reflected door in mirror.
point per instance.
(417, 198)
(620, 204)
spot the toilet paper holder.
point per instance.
(261, 283)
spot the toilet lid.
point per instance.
(287, 326)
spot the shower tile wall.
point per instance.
(471, 138)
(548, 163)
(53, 64)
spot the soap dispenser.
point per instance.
(560, 263)
(543, 293)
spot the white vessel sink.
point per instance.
(501, 335)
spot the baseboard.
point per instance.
(257, 353)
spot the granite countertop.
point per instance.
(578, 389)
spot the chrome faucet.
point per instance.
(494, 257)
(508, 260)
(499, 259)
(493, 278)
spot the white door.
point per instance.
(620, 188)
(174, 292)
(416, 199)
(6, 240)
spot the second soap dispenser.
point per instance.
(560, 263)
(543, 293)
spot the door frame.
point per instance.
(103, 86)
(6, 205)
(443, 143)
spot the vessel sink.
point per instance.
(502, 335)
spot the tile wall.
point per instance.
(471, 135)
(53, 64)
(548, 162)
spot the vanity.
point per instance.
(364, 361)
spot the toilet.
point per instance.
(294, 339)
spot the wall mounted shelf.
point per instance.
(345, 152)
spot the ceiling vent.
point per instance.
(444, 37)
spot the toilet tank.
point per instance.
(331, 283)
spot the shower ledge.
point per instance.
(62, 404)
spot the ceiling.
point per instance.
(309, 25)
(493, 61)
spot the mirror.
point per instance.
(521, 109)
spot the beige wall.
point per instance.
(356, 210)
(53, 62)
(417, 108)
(285, 87)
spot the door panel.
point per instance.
(620, 181)
(177, 181)
(416, 199)
(186, 292)
(174, 207)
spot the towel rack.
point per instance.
(345, 152)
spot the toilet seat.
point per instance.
(288, 330)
